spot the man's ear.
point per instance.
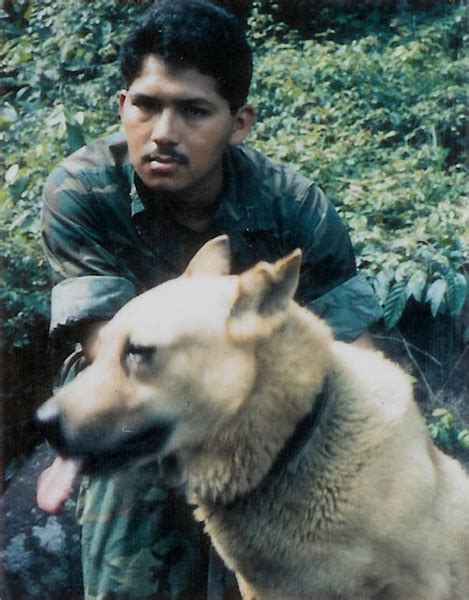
(213, 258)
(242, 124)
(121, 99)
(264, 295)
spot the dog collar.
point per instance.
(294, 444)
(300, 436)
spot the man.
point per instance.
(129, 211)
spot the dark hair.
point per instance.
(195, 34)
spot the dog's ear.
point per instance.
(265, 292)
(213, 258)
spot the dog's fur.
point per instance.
(363, 507)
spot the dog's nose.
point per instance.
(48, 421)
(47, 412)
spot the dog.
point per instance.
(306, 458)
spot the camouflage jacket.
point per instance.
(106, 244)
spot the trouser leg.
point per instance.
(139, 540)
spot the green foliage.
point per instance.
(445, 430)
(376, 120)
(61, 82)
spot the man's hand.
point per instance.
(88, 336)
(55, 484)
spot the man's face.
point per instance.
(177, 127)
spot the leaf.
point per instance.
(435, 295)
(416, 285)
(443, 436)
(381, 284)
(395, 304)
(11, 173)
(25, 221)
(75, 135)
(18, 186)
(433, 429)
(456, 291)
(11, 469)
(28, 11)
(463, 438)
(8, 115)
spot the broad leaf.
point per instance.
(381, 284)
(416, 285)
(456, 291)
(435, 295)
(395, 304)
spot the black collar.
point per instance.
(293, 445)
(301, 434)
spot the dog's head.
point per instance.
(173, 363)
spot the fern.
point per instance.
(395, 304)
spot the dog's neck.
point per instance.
(291, 370)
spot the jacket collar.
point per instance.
(244, 205)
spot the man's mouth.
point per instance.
(171, 158)
(161, 168)
(163, 159)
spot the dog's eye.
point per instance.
(136, 356)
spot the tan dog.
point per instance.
(307, 458)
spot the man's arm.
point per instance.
(329, 283)
(89, 288)
(54, 484)
(89, 284)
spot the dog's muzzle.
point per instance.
(130, 445)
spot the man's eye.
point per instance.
(196, 112)
(139, 356)
(146, 105)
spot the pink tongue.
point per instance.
(55, 484)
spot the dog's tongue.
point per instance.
(55, 484)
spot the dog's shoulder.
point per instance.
(368, 385)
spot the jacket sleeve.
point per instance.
(87, 286)
(329, 283)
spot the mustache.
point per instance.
(167, 153)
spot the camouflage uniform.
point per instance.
(105, 244)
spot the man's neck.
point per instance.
(196, 218)
(193, 208)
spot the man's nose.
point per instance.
(166, 128)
